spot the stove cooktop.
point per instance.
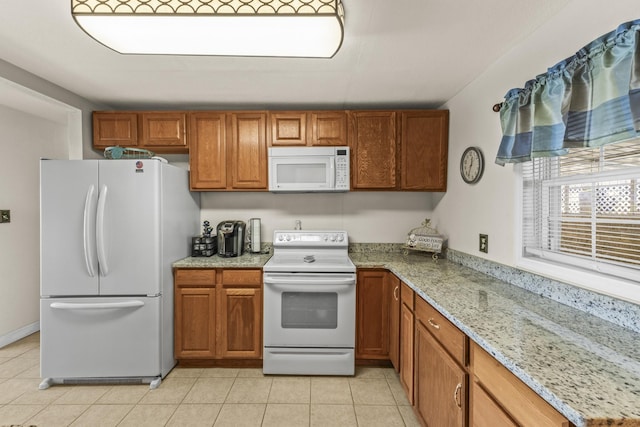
(310, 251)
(310, 262)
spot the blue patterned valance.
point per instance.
(587, 100)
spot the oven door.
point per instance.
(309, 310)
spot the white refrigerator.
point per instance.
(110, 230)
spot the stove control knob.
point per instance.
(280, 237)
(333, 237)
(325, 237)
(288, 238)
(340, 238)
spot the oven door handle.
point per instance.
(308, 281)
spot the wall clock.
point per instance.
(471, 165)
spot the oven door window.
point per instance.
(309, 310)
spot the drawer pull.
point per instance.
(456, 395)
(395, 292)
(433, 324)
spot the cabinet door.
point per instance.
(484, 411)
(207, 151)
(407, 328)
(394, 320)
(440, 384)
(248, 151)
(112, 128)
(164, 132)
(288, 128)
(240, 323)
(328, 128)
(372, 315)
(424, 139)
(195, 323)
(372, 138)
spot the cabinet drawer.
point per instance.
(205, 277)
(451, 338)
(517, 399)
(242, 277)
(407, 296)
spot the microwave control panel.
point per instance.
(342, 171)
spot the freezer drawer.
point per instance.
(100, 337)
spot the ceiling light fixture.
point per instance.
(287, 28)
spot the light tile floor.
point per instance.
(200, 397)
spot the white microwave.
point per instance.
(308, 169)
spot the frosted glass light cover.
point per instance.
(314, 30)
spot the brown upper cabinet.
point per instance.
(248, 151)
(228, 151)
(208, 151)
(423, 145)
(395, 150)
(399, 150)
(164, 131)
(372, 138)
(158, 131)
(302, 128)
(115, 128)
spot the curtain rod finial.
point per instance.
(497, 107)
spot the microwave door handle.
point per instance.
(332, 175)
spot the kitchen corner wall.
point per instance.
(25, 139)
(491, 206)
(38, 119)
(368, 217)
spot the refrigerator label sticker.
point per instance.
(139, 166)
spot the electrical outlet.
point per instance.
(5, 215)
(484, 243)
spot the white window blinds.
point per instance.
(583, 209)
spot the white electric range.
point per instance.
(309, 304)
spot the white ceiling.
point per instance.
(395, 53)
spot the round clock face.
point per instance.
(471, 165)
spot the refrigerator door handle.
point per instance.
(100, 231)
(91, 306)
(89, 232)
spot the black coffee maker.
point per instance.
(231, 236)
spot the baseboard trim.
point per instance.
(18, 334)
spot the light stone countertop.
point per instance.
(585, 367)
(247, 260)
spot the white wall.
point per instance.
(38, 119)
(368, 217)
(489, 207)
(25, 138)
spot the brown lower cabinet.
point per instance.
(451, 381)
(394, 320)
(218, 314)
(372, 315)
(499, 398)
(407, 326)
(440, 376)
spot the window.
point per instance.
(582, 210)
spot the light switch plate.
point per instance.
(5, 215)
(484, 243)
